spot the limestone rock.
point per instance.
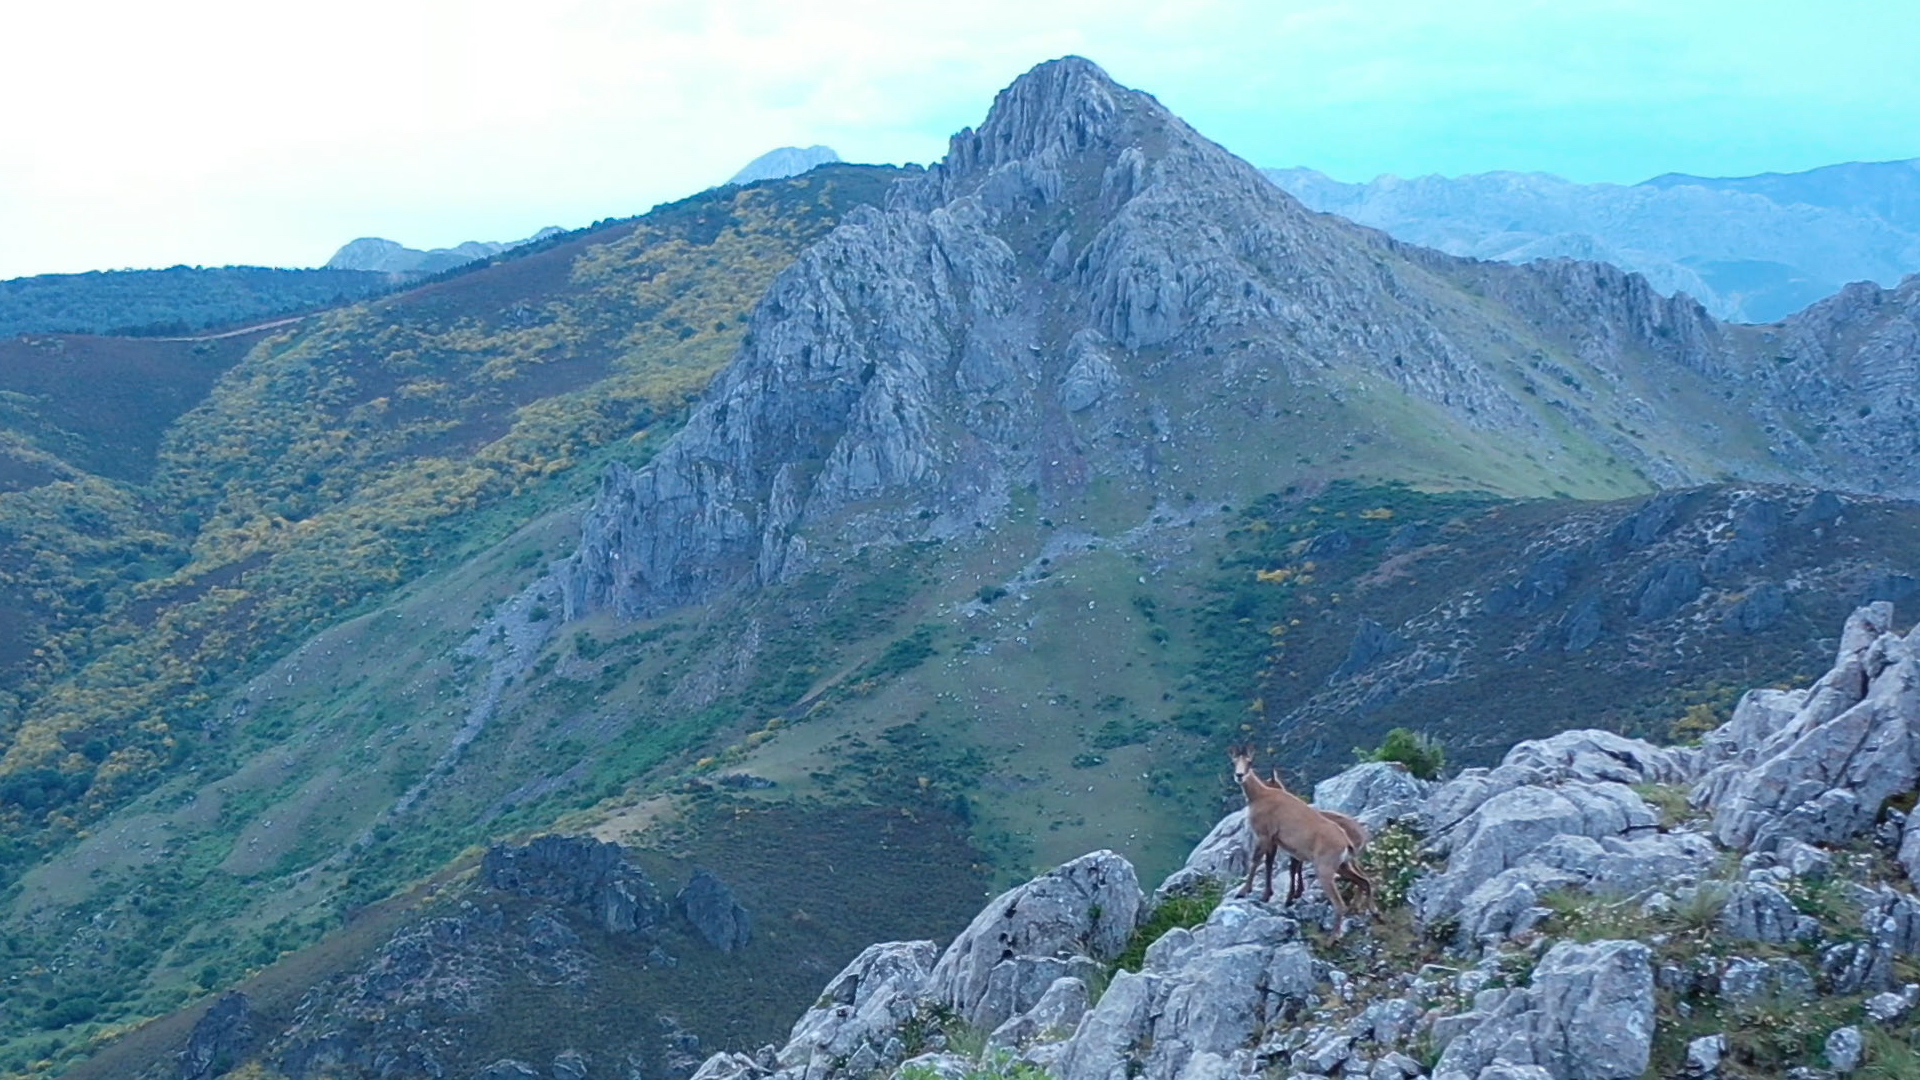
(1375, 792)
(1823, 775)
(1844, 1048)
(1202, 992)
(1504, 829)
(1052, 1018)
(508, 1069)
(1756, 911)
(862, 1009)
(1588, 1015)
(1028, 937)
(1704, 1055)
(569, 1065)
(1594, 756)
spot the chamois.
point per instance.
(1349, 870)
(1278, 819)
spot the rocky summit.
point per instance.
(1593, 908)
(1086, 294)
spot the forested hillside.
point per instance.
(177, 301)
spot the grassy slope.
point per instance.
(331, 465)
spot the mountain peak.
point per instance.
(783, 162)
(1060, 107)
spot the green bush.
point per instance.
(1421, 753)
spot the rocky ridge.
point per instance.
(1085, 292)
(1593, 908)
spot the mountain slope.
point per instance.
(1068, 301)
(1752, 250)
(1889, 190)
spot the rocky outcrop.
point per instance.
(710, 908)
(591, 876)
(1203, 995)
(1587, 1015)
(1820, 765)
(1064, 923)
(221, 1039)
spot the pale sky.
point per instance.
(137, 133)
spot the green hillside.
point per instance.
(177, 301)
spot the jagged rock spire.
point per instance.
(1061, 106)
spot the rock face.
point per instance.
(1588, 1015)
(1070, 294)
(1246, 994)
(710, 908)
(589, 875)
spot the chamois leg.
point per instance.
(1296, 879)
(1272, 856)
(1253, 867)
(1362, 884)
(1327, 869)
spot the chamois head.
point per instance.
(1242, 756)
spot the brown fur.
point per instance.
(1279, 820)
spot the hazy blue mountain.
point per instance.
(1753, 249)
(1889, 189)
(786, 161)
(388, 256)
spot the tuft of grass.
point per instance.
(1175, 911)
(1891, 1055)
(1671, 802)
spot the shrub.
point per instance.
(1421, 753)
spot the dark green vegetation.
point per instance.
(176, 301)
(1186, 911)
(1422, 754)
(1342, 616)
(286, 648)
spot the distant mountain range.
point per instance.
(1751, 249)
(392, 257)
